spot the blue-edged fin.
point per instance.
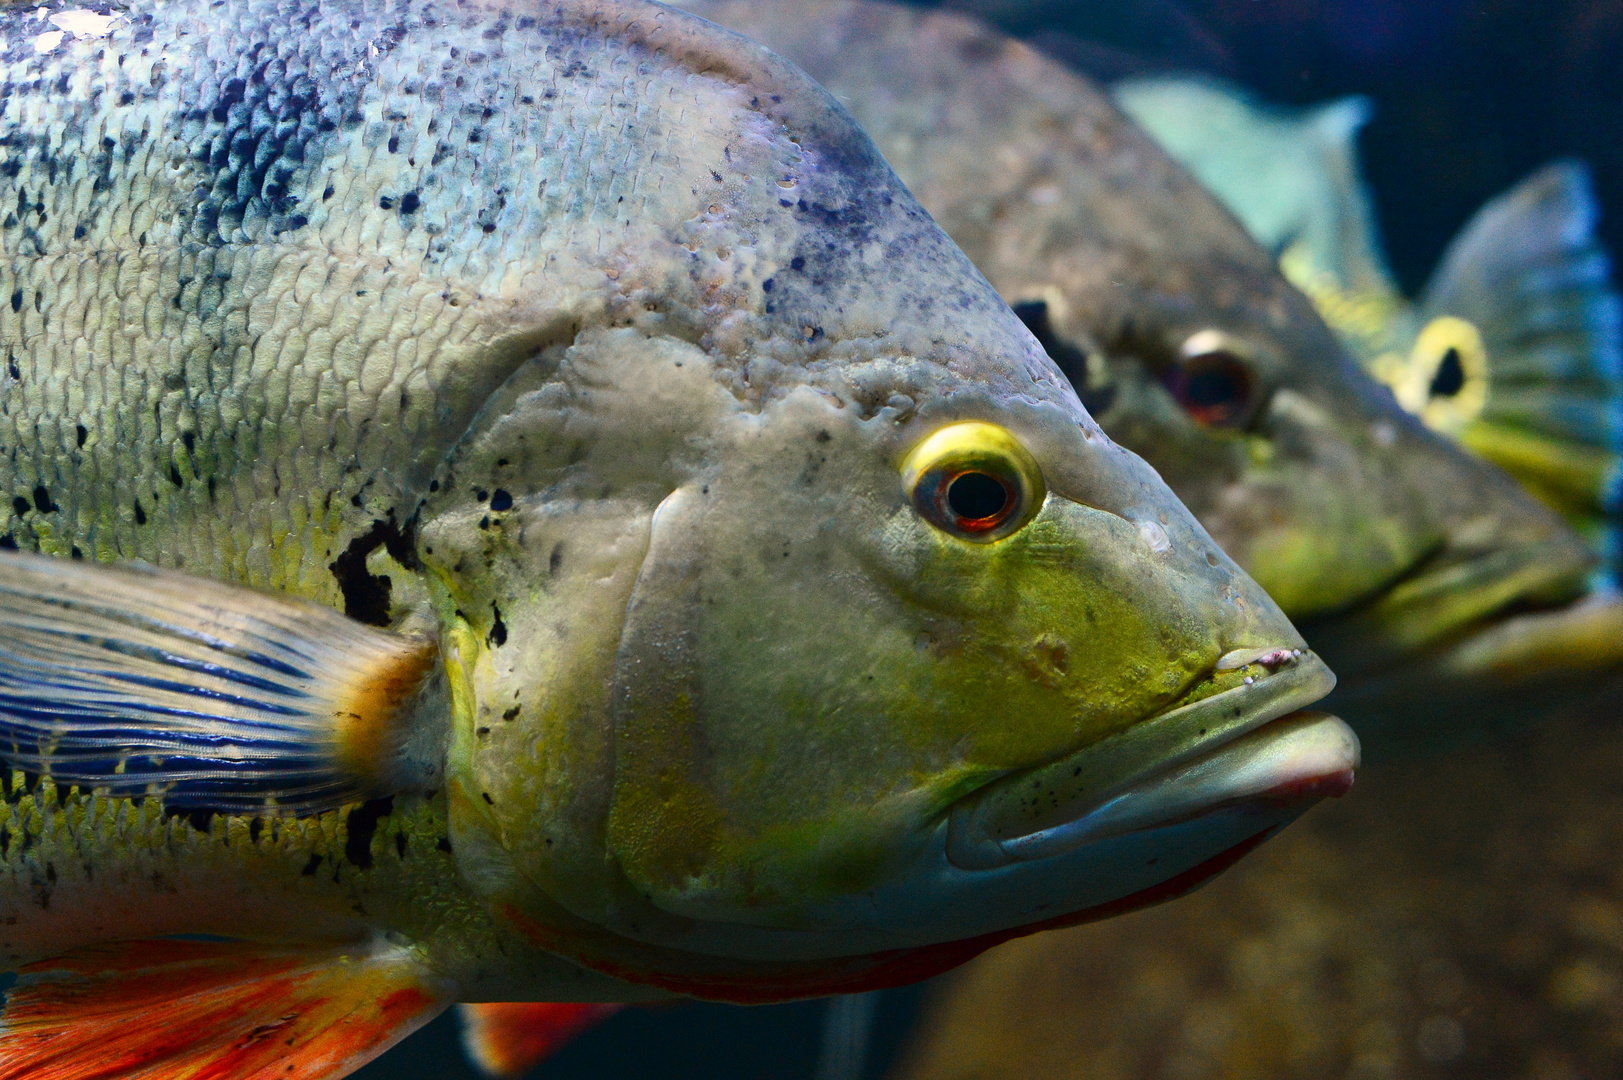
(1528, 274)
(208, 1010)
(136, 682)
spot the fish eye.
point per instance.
(1446, 383)
(1212, 381)
(973, 480)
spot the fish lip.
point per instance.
(1442, 602)
(992, 826)
(1574, 645)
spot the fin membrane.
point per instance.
(133, 682)
(204, 1010)
(508, 1039)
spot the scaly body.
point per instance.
(737, 563)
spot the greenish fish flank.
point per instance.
(1445, 599)
(1515, 347)
(518, 502)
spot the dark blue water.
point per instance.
(689, 1041)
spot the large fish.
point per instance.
(1443, 596)
(1410, 559)
(758, 613)
(1515, 348)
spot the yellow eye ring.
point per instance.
(974, 481)
(1446, 382)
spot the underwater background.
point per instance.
(1457, 915)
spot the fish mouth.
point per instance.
(1519, 666)
(1448, 601)
(1249, 744)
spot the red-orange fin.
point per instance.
(509, 1039)
(207, 1010)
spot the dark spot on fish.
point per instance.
(481, 732)
(481, 494)
(78, 232)
(174, 475)
(556, 559)
(797, 263)
(766, 286)
(443, 844)
(80, 434)
(42, 500)
(17, 300)
(20, 506)
(75, 554)
(256, 826)
(498, 629)
(823, 436)
(5, 841)
(189, 440)
(362, 825)
(386, 202)
(409, 202)
(1071, 361)
(400, 844)
(13, 370)
(488, 227)
(327, 193)
(501, 500)
(394, 144)
(211, 489)
(312, 866)
(512, 714)
(487, 798)
(366, 595)
(8, 542)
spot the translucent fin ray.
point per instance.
(508, 1039)
(139, 682)
(191, 1010)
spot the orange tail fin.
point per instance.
(509, 1039)
(205, 1010)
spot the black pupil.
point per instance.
(974, 496)
(1450, 377)
(1212, 385)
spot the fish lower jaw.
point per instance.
(1249, 745)
(1302, 757)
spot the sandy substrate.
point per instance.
(1460, 916)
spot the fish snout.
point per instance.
(1250, 744)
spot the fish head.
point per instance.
(796, 614)
(1412, 567)
(1191, 349)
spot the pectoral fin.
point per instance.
(508, 1039)
(139, 682)
(195, 1010)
